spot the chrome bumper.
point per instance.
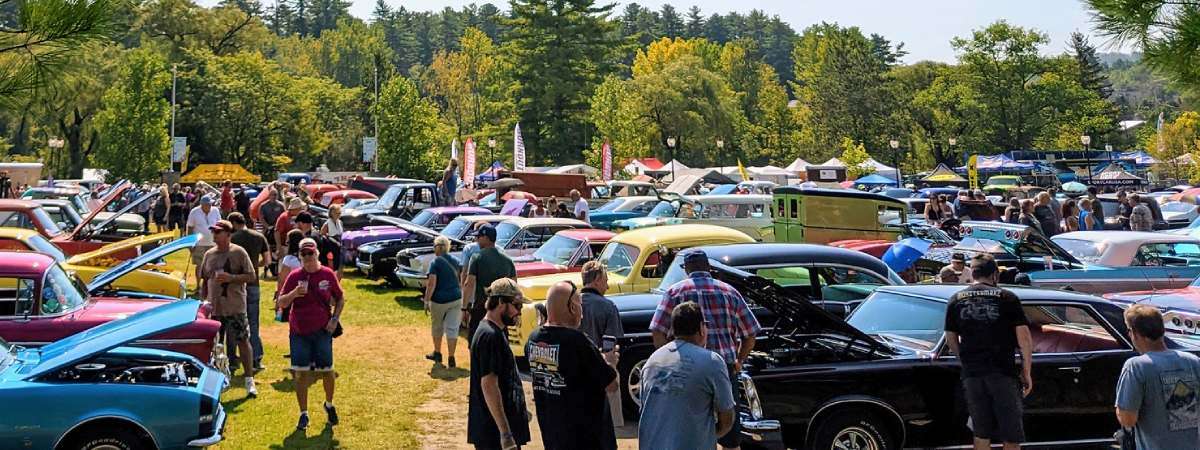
(364, 268)
(764, 432)
(216, 436)
(411, 279)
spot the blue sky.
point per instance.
(925, 26)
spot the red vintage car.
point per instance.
(341, 196)
(566, 251)
(88, 235)
(1180, 307)
(41, 303)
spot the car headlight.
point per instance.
(753, 403)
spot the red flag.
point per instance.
(606, 161)
(469, 162)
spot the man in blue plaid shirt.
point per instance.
(731, 325)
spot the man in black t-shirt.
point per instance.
(984, 326)
(570, 378)
(496, 414)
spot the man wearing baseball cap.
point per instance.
(496, 415)
(484, 268)
(956, 272)
(284, 223)
(730, 323)
(223, 274)
(316, 300)
(199, 220)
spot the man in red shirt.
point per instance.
(227, 202)
(284, 224)
(312, 292)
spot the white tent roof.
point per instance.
(769, 171)
(673, 164)
(575, 168)
(834, 162)
(1185, 158)
(799, 165)
(878, 166)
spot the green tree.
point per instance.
(854, 154)
(133, 123)
(41, 41)
(560, 51)
(471, 87)
(351, 52)
(1003, 64)
(1167, 32)
(69, 108)
(1179, 137)
(409, 132)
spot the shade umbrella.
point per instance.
(1074, 187)
(903, 254)
(505, 183)
(518, 195)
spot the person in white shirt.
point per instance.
(199, 220)
(581, 206)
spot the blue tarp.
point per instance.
(490, 174)
(874, 180)
(999, 163)
(1139, 157)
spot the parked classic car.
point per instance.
(63, 212)
(567, 251)
(438, 218)
(340, 197)
(750, 214)
(85, 237)
(378, 259)
(1124, 261)
(1017, 247)
(821, 216)
(87, 266)
(41, 303)
(402, 200)
(837, 279)
(516, 236)
(90, 391)
(78, 197)
(884, 378)
(621, 208)
(1180, 307)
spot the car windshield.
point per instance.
(909, 321)
(558, 250)
(1083, 250)
(457, 229)
(619, 258)
(48, 224)
(611, 206)
(80, 204)
(663, 209)
(423, 218)
(1178, 207)
(390, 196)
(41, 245)
(505, 233)
(488, 200)
(60, 293)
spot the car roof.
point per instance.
(16, 233)
(591, 234)
(483, 218)
(668, 234)
(24, 263)
(1125, 237)
(456, 209)
(749, 199)
(59, 189)
(11, 204)
(848, 193)
(943, 292)
(525, 222)
(753, 254)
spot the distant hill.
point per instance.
(1112, 57)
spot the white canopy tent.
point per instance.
(797, 166)
(871, 163)
(771, 173)
(575, 168)
(834, 162)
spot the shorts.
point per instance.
(734, 437)
(446, 318)
(198, 255)
(312, 352)
(994, 402)
(235, 328)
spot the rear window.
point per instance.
(1083, 250)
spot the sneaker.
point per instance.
(435, 357)
(251, 391)
(450, 362)
(302, 424)
(331, 411)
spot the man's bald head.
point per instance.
(563, 305)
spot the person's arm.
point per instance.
(339, 303)
(952, 342)
(724, 421)
(1129, 395)
(1025, 341)
(660, 324)
(490, 385)
(202, 277)
(1127, 418)
(430, 285)
(722, 391)
(744, 350)
(291, 291)
(266, 253)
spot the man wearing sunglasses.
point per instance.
(496, 413)
(316, 299)
(224, 272)
(570, 377)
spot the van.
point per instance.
(821, 216)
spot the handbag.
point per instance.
(1126, 438)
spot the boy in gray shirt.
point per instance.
(686, 396)
(1159, 390)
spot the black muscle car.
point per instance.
(832, 277)
(884, 379)
(402, 200)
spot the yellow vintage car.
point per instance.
(636, 261)
(88, 265)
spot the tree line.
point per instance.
(292, 84)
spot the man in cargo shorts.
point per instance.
(224, 272)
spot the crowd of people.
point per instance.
(1045, 212)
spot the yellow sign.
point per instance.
(973, 172)
(742, 171)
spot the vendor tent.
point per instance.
(492, 174)
(685, 184)
(874, 180)
(833, 162)
(216, 173)
(942, 174)
(1116, 176)
(773, 174)
(798, 166)
(1000, 163)
(880, 168)
(1139, 157)
(638, 166)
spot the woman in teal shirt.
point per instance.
(443, 300)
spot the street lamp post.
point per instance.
(492, 150)
(671, 146)
(55, 144)
(895, 144)
(1087, 142)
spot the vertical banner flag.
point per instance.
(469, 162)
(606, 161)
(178, 147)
(973, 171)
(370, 145)
(454, 149)
(741, 170)
(1160, 124)
(518, 149)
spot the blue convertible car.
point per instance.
(104, 395)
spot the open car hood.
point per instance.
(108, 336)
(406, 226)
(75, 234)
(90, 258)
(118, 271)
(801, 313)
(110, 195)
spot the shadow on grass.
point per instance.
(297, 439)
(410, 303)
(284, 385)
(444, 373)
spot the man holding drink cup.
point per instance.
(315, 297)
(224, 272)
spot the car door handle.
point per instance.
(1071, 369)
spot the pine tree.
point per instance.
(695, 23)
(670, 24)
(1091, 71)
(300, 22)
(716, 30)
(280, 17)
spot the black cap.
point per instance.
(304, 217)
(693, 256)
(958, 257)
(489, 231)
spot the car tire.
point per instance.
(120, 439)
(630, 365)
(853, 430)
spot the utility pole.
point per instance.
(375, 159)
(173, 76)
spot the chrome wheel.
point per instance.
(854, 438)
(106, 447)
(635, 383)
